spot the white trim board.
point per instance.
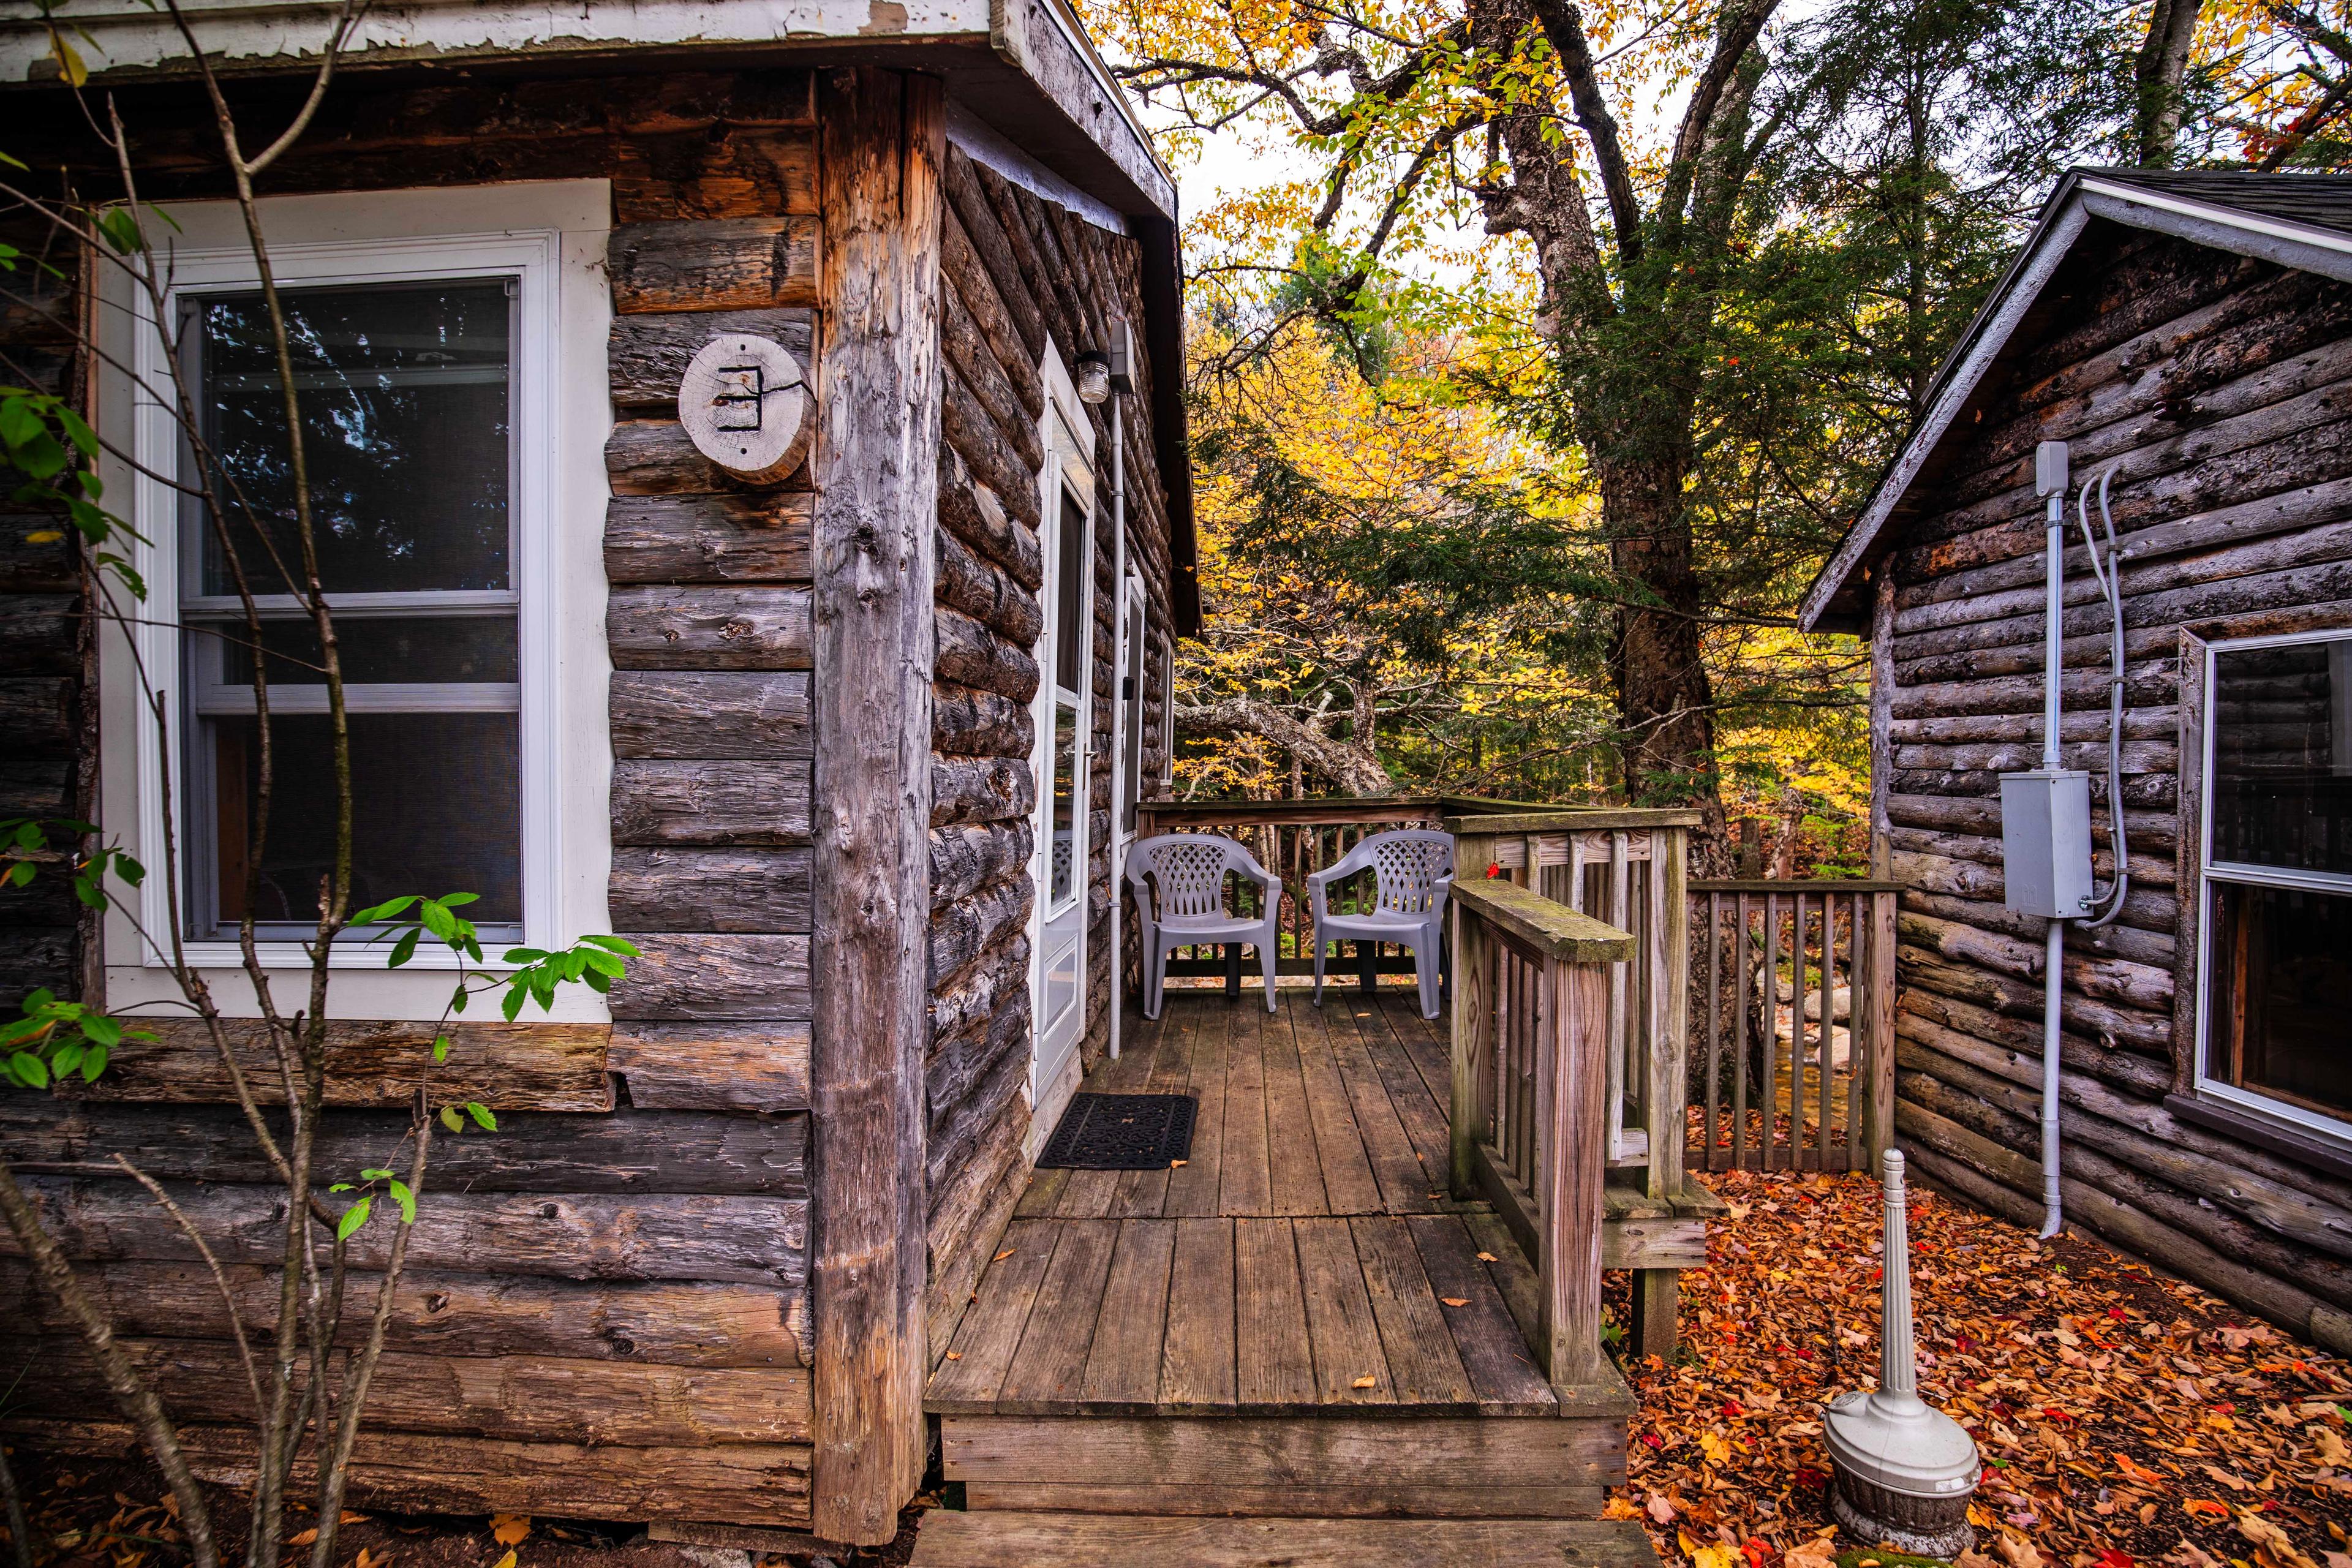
(984, 145)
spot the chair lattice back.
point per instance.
(1406, 866)
(1190, 873)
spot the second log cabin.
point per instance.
(2190, 337)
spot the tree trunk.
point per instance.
(2162, 67)
(1665, 699)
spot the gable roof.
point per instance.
(2303, 221)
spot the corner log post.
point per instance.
(882, 143)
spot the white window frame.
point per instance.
(1069, 468)
(549, 238)
(2335, 1131)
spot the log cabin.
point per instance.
(845, 740)
(775, 553)
(2190, 335)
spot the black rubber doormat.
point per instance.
(1121, 1132)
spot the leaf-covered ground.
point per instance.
(2124, 1417)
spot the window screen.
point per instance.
(406, 398)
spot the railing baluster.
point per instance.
(1740, 1035)
(1615, 915)
(1713, 1021)
(1771, 1143)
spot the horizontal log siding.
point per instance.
(46, 771)
(605, 1315)
(1016, 271)
(2223, 386)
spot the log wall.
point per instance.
(2223, 384)
(607, 1315)
(1016, 271)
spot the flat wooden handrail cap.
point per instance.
(1545, 924)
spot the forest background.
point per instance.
(1540, 353)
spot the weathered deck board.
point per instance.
(1293, 1254)
(1065, 1541)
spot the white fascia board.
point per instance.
(2299, 246)
(121, 34)
(2002, 318)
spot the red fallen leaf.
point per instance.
(2117, 1314)
(2110, 1557)
(1806, 1475)
(1754, 1551)
(1805, 1352)
(1731, 1407)
(1654, 1440)
(2225, 1409)
(1493, 868)
(2054, 1414)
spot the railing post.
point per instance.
(1575, 1012)
(1474, 1050)
(1881, 1026)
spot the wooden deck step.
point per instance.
(947, 1540)
(1315, 1466)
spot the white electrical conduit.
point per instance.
(2110, 581)
(2108, 575)
(2053, 657)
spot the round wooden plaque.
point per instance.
(744, 402)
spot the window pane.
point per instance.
(436, 807)
(1071, 633)
(2282, 970)
(402, 393)
(378, 650)
(2282, 756)
(1065, 822)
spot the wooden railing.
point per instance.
(1625, 869)
(1293, 839)
(1531, 1043)
(1798, 1063)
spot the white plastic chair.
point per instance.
(1180, 901)
(1414, 870)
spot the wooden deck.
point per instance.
(1305, 1255)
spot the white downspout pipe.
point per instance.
(2054, 489)
(1118, 705)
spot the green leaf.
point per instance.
(456, 901)
(522, 955)
(20, 873)
(340, 1187)
(451, 1119)
(512, 1004)
(457, 999)
(30, 1069)
(383, 912)
(481, 1115)
(375, 1176)
(130, 870)
(404, 1198)
(440, 1048)
(93, 1062)
(101, 1028)
(66, 1057)
(353, 1217)
(619, 944)
(405, 948)
(438, 920)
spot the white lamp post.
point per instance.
(1904, 1470)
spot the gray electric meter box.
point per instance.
(2045, 842)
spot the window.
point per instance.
(2276, 883)
(449, 350)
(408, 431)
(1073, 639)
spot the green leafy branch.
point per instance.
(56, 1041)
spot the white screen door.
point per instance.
(1063, 717)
